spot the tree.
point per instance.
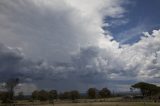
(61, 96)
(43, 95)
(53, 94)
(10, 86)
(4, 96)
(146, 88)
(74, 95)
(64, 95)
(92, 93)
(35, 95)
(104, 93)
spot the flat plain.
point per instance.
(107, 104)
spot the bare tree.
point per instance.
(10, 86)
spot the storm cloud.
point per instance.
(62, 41)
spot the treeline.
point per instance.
(92, 93)
(52, 95)
(44, 95)
(147, 90)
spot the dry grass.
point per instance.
(106, 104)
(85, 102)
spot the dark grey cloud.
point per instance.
(14, 64)
(9, 62)
(60, 43)
(92, 66)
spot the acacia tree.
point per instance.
(146, 88)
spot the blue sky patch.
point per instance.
(141, 16)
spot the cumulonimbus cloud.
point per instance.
(59, 27)
(68, 36)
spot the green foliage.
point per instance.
(4, 96)
(40, 95)
(104, 93)
(147, 89)
(43, 95)
(35, 95)
(92, 93)
(74, 95)
(53, 94)
(64, 95)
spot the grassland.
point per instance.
(94, 104)
(106, 104)
(118, 101)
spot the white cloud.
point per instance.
(117, 22)
(146, 53)
(26, 88)
(138, 62)
(68, 37)
(54, 29)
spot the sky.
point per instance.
(72, 44)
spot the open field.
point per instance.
(108, 104)
(115, 101)
(98, 104)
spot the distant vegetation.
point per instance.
(92, 93)
(147, 90)
(7, 96)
